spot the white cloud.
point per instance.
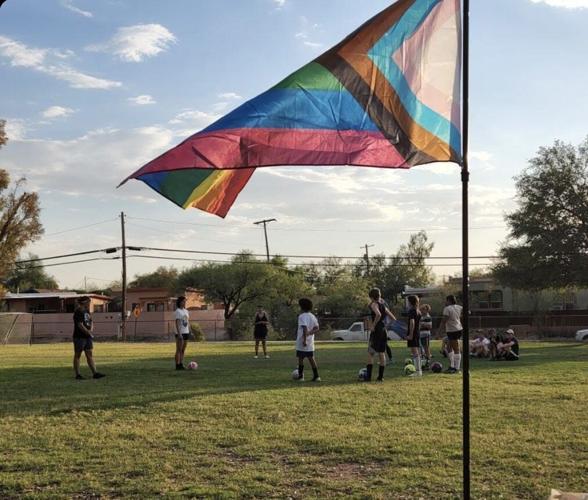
(314, 45)
(50, 62)
(72, 167)
(57, 112)
(567, 4)
(136, 43)
(229, 96)
(15, 129)
(279, 3)
(142, 100)
(190, 121)
(69, 6)
(308, 31)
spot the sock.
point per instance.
(369, 372)
(417, 363)
(451, 357)
(300, 371)
(457, 361)
(315, 372)
(381, 372)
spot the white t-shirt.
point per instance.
(453, 314)
(308, 320)
(184, 316)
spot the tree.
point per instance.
(162, 277)
(19, 216)
(30, 275)
(548, 240)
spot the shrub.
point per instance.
(197, 332)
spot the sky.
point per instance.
(93, 90)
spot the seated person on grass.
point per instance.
(480, 346)
(508, 349)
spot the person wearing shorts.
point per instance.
(260, 331)
(451, 322)
(413, 339)
(82, 338)
(307, 326)
(182, 332)
(378, 337)
(425, 328)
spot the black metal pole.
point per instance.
(266, 243)
(465, 177)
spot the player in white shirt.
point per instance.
(182, 331)
(451, 322)
(307, 327)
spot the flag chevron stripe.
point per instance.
(388, 95)
(381, 54)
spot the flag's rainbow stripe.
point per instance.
(386, 96)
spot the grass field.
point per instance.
(241, 428)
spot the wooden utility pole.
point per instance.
(367, 257)
(123, 332)
(264, 222)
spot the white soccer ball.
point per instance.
(192, 365)
(295, 374)
(362, 375)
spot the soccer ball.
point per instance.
(192, 365)
(295, 374)
(362, 375)
(436, 367)
(408, 361)
(409, 369)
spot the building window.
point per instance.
(151, 307)
(496, 300)
(98, 308)
(160, 307)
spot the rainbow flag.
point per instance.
(386, 96)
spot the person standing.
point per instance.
(182, 331)
(413, 339)
(82, 338)
(307, 326)
(426, 326)
(260, 331)
(451, 322)
(378, 336)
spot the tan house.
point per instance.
(160, 300)
(52, 302)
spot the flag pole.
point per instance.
(465, 177)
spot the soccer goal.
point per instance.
(16, 328)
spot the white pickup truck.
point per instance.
(356, 332)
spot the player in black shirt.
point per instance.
(413, 339)
(82, 338)
(260, 331)
(378, 336)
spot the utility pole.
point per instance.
(367, 257)
(264, 222)
(123, 332)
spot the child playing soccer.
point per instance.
(426, 325)
(378, 336)
(307, 327)
(413, 339)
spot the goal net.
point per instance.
(15, 328)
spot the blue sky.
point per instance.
(92, 90)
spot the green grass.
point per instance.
(240, 428)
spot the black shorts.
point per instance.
(83, 344)
(454, 335)
(305, 354)
(185, 336)
(415, 342)
(260, 335)
(378, 341)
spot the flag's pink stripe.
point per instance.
(239, 148)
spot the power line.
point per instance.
(105, 250)
(79, 228)
(75, 262)
(305, 229)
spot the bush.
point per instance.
(197, 332)
(239, 328)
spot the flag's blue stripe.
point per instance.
(381, 54)
(299, 109)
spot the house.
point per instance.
(148, 299)
(52, 302)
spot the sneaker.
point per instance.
(416, 374)
(98, 375)
(255, 357)
(316, 379)
(266, 356)
(451, 370)
(180, 367)
(301, 379)
(79, 377)
(379, 380)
